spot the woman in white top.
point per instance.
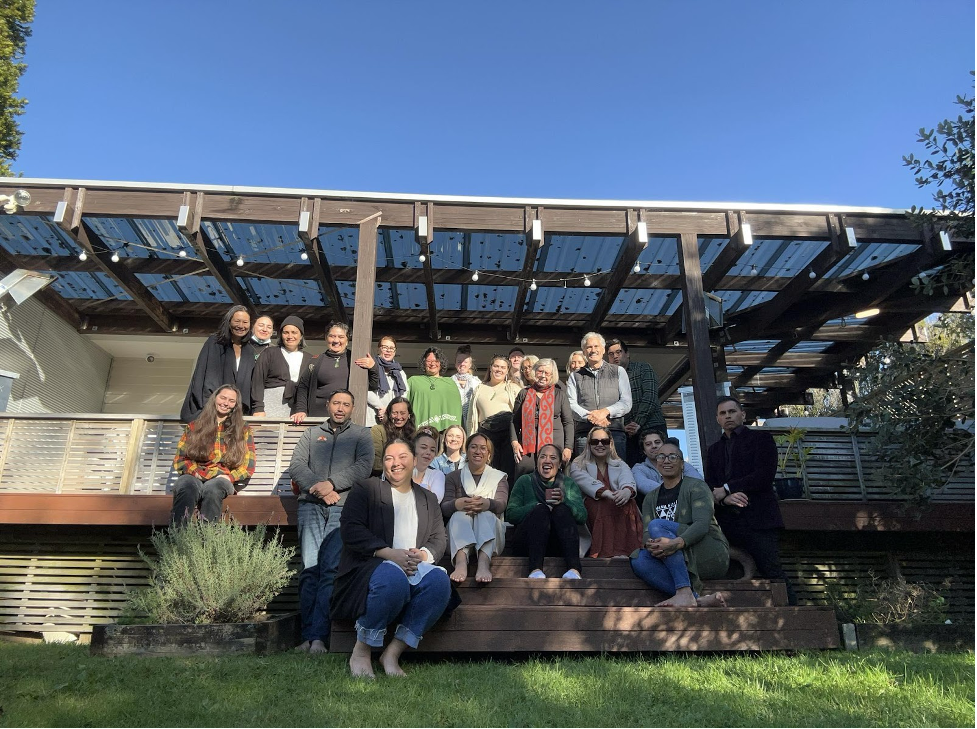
(491, 412)
(453, 457)
(465, 378)
(425, 449)
(277, 371)
(474, 503)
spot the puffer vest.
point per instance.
(597, 390)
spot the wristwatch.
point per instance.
(726, 487)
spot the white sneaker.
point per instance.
(537, 575)
(571, 575)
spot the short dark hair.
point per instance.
(401, 441)
(512, 351)
(340, 391)
(655, 431)
(728, 398)
(612, 342)
(672, 440)
(437, 352)
(340, 325)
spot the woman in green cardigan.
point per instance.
(546, 507)
(684, 544)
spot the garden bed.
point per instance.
(936, 638)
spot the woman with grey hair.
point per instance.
(541, 416)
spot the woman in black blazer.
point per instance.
(393, 537)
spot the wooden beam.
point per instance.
(761, 316)
(626, 259)
(528, 266)
(189, 220)
(427, 209)
(47, 296)
(715, 273)
(674, 379)
(798, 359)
(309, 235)
(69, 218)
(772, 355)
(697, 326)
(363, 312)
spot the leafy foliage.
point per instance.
(212, 572)
(795, 453)
(15, 19)
(950, 166)
(890, 601)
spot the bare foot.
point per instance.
(317, 646)
(461, 567)
(483, 574)
(390, 658)
(716, 599)
(303, 647)
(683, 598)
(360, 661)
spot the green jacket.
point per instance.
(522, 499)
(706, 549)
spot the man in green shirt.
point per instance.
(646, 411)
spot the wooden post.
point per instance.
(366, 279)
(697, 331)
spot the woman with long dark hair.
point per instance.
(399, 423)
(227, 357)
(214, 458)
(547, 508)
(277, 371)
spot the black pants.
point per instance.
(545, 531)
(762, 545)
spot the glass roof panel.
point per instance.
(867, 255)
(256, 242)
(478, 251)
(579, 254)
(660, 256)
(734, 301)
(775, 257)
(561, 300)
(340, 245)
(753, 345)
(647, 302)
(193, 289)
(292, 292)
(141, 238)
(31, 235)
(84, 285)
(709, 248)
(809, 347)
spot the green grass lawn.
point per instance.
(61, 685)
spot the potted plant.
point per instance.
(794, 454)
(210, 583)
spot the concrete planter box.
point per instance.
(276, 634)
(934, 638)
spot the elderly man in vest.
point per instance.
(600, 395)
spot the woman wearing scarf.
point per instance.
(546, 508)
(262, 332)
(474, 501)
(277, 371)
(466, 381)
(391, 381)
(541, 416)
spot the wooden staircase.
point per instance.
(611, 610)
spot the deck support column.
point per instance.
(697, 330)
(366, 279)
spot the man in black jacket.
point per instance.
(740, 468)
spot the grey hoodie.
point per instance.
(342, 454)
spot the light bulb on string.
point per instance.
(475, 276)
(240, 260)
(422, 258)
(753, 269)
(304, 256)
(637, 268)
(115, 257)
(865, 276)
(812, 274)
(532, 286)
(183, 253)
(586, 280)
(83, 256)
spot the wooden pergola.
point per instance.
(167, 259)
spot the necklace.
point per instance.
(431, 381)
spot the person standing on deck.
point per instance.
(600, 395)
(646, 411)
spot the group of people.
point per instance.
(591, 469)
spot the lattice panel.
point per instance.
(154, 474)
(96, 456)
(34, 455)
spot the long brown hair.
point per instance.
(203, 432)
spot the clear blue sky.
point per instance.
(792, 102)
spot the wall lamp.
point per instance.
(19, 199)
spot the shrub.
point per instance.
(212, 572)
(889, 600)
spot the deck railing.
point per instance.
(126, 454)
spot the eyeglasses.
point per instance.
(670, 457)
(600, 441)
(388, 348)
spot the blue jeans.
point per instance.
(321, 546)
(419, 606)
(667, 574)
(619, 437)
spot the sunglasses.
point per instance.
(600, 441)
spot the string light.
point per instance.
(812, 274)
(83, 256)
(753, 269)
(422, 258)
(586, 281)
(532, 286)
(183, 253)
(240, 260)
(637, 268)
(475, 276)
(865, 276)
(115, 257)
(304, 256)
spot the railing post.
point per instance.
(133, 451)
(858, 465)
(9, 427)
(67, 453)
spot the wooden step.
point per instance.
(502, 629)
(632, 592)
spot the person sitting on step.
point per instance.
(547, 508)
(684, 543)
